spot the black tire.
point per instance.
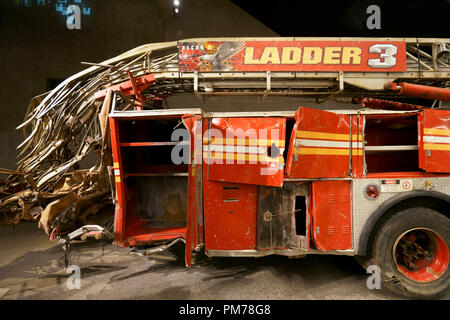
(399, 226)
(364, 261)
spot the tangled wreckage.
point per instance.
(117, 110)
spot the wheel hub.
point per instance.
(421, 255)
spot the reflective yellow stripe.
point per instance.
(328, 151)
(242, 157)
(358, 137)
(439, 132)
(117, 178)
(323, 135)
(244, 141)
(435, 146)
(116, 165)
(323, 151)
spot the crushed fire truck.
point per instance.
(372, 181)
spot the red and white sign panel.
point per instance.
(370, 56)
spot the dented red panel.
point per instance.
(245, 150)
(126, 87)
(358, 123)
(434, 140)
(230, 215)
(331, 215)
(194, 224)
(321, 145)
(119, 215)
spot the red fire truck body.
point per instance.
(251, 184)
(332, 174)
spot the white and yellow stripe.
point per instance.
(242, 150)
(327, 135)
(244, 142)
(325, 143)
(436, 139)
(116, 171)
(242, 157)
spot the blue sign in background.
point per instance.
(60, 6)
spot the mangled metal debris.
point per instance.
(62, 128)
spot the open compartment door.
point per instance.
(158, 177)
(194, 225)
(320, 145)
(245, 150)
(434, 140)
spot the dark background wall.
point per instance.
(38, 50)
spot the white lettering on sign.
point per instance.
(386, 59)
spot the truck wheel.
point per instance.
(364, 261)
(412, 250)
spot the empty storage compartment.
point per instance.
(155, 188)
(157, 202)
(391, 143)
(146, 160)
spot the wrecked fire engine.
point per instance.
(372, 181)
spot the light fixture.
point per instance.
(176, 3)
(372, 191)
(176, 10)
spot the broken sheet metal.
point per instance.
(70, 124)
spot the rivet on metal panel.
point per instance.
(267, 216)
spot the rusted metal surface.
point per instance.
(159, 201)
(277, 214)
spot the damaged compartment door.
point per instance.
(194, 224)
(245, 150)
(434, 140)
(158, 174)
(320, 145)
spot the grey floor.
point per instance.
(31, 267)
